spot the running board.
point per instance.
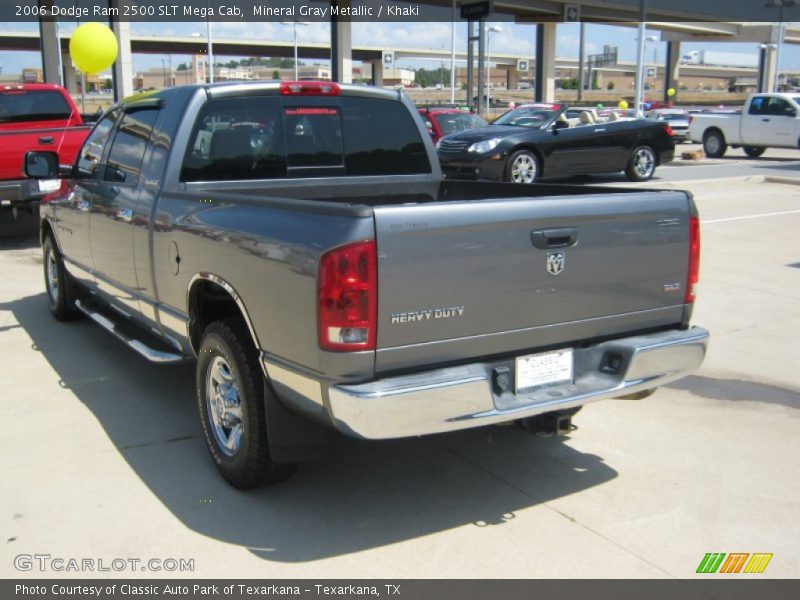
(134, 343)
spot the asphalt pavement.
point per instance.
(102, 454)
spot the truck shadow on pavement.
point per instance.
(737, 390)
(362, 495)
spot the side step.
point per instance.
(123, 333)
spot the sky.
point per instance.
(514, 39)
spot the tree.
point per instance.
(431, 77)
(183, 67)
(276, 74)
(610, 85)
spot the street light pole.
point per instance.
(490, 31)
(294, 25)
(640, 60)
(210, 53)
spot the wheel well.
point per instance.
(210, 302)
(45, 230)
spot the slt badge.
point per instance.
(555, 262)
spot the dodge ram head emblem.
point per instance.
(555, 262)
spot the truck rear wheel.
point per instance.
(60, 288)
(714, 144)
(754, 151)
(230, 398)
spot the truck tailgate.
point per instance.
(463, 279)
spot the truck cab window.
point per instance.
(236, 138)
(381, 138)
(92, 151)
(127, 150)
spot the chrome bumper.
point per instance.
(462, 397)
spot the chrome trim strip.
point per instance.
(232, 292)
(306, 387)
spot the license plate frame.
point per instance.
(542, 369)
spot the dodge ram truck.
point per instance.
(298, 242)
(767, 121)
(33, 116)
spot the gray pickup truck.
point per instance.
(297, 241)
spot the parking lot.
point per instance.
(103, 456)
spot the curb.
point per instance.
(784, 180)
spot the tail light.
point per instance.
(694, 259)
(310, 88)
(347, 298)
(669, 131)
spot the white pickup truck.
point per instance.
(767, 121)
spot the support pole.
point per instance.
(481, 58)
(470, 61)
(671, 66)
(51, 52)
(453, 56)
(580, 60)
(538, 88)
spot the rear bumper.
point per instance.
(466, 396)
(15, 191)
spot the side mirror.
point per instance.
(559, 125)
(41, 165)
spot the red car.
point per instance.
(34, 116)
(444, 121)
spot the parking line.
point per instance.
(772, 214)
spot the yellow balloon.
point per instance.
(671, 92)
(623, 105)
(93, 48)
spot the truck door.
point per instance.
(770, 121)
(72, 211)
(114, 205)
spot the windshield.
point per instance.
(527, 116)
(40, 105)
(455, 122)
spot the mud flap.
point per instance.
(292, 437)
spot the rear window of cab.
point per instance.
(273, 137)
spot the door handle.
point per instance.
(125, 215)
(599, 130)
(765, 120)
(562, 237)
(46, 140)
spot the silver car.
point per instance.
(678, 121)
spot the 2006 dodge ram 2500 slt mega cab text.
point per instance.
(297, 240)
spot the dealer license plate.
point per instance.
(543, 369)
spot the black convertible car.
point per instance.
(536, 141)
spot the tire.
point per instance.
(754, 151)
(714, 144)
(641, 164)
(235, 428)
(60, 290)
(522, 167)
